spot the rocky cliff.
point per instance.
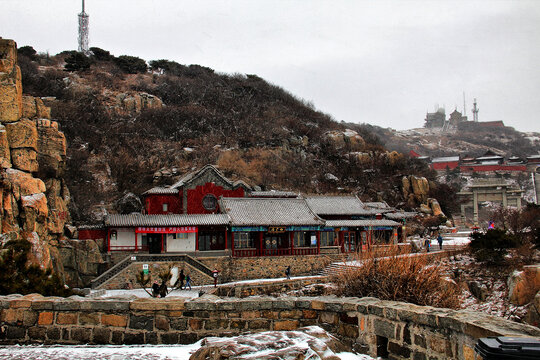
(34, 197)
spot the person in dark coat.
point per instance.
(288, 272)
(188, 282)
(181, 278)
(155, 289)
(440, 240)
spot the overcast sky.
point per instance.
(380, 62)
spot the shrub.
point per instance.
(131, 64)
(100, 54)
(27, 51)
(492, 246)
(388, 275)
(77, 61)
(16, 277)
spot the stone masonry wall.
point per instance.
(397, 330)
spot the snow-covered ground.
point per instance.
(123, 352)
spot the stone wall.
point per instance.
(380, 328)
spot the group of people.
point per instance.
(180, 282)
(427, 242)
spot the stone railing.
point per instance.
(379, 328)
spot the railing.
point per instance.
(274, 252)
(115, 270)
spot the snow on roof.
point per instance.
(269, 211)
(337, 205)
(354, 223)
(445, 159)
(119, 220)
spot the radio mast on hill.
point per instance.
(83, 31)
(475, 111)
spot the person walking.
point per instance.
(427, 243)
(440, 240)
(188, 282)
(288, 272)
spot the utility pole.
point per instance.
(83, 31)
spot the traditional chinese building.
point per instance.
(205, 212)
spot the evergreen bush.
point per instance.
(492, 246)
(17, 277)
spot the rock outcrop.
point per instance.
(34, 197)
(416, 191)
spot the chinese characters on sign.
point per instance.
(167, 230)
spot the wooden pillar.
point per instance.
(232, 242)
(291, 241)
(136, 235)
(226, 242)
(197, 240)
(318, 242)
(260, 242)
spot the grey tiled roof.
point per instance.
(161, 190)
(274, 193)
(269, 211)
(118, 220)
(337, 205)
(400, 215)
(192, 175)
(352, 223)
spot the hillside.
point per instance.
(129, 128)
(471, 140)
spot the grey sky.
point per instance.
(381, 62)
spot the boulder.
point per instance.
(425, 209)
(435, 207)
(23, 183)
(39, 252)
(479, 291)
(8, 55)
(307, 343)
(405, 187)
(51, 145)
(523, 285)
(5, 155)
(25, 159)
(128, 204)
(420, 186)
(22, 134)
(11, 103)
(29, 109)
(11, 96)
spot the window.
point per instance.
(327, 238)
(114, 235)
(305, 239)
(165, 207)
(182, 236)
(243, 240)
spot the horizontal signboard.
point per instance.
(166, 229)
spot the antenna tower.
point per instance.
(475, 111)
(83, 31)
(464, 106)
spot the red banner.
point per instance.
(166, 230)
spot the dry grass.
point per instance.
(391, 275)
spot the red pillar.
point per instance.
(108, 240)
(162, 235)
(318, 242)
(291, 241)
(261, 242)
(136, 233)
(232, 243)
(197, 240)
(226, 240)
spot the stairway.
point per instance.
(148, 258)
(334, 268)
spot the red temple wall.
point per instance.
(442, 165)
(154, 204)
(195, 197)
